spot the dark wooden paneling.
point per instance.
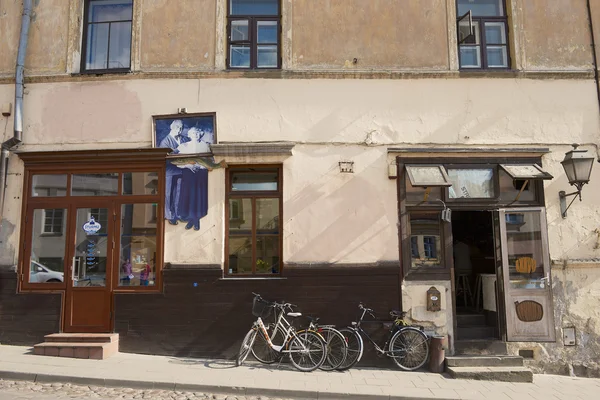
(211, 318)
(26, 318)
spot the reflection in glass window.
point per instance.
(471, 183)
(510, 189)
(108, 32)
(95, 184)
(254, 180)
(53, 221)
(425, 239)
(254, 223)
(417, 194)
(139, 183)
(46, 263)
(137, 266)
(48, 185)
(525, 250)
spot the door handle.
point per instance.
(546, 278)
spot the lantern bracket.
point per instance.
(563, 201)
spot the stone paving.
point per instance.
(183, 378)
(27, 390)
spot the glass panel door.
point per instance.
(526, 274)
(91, 247)
(87, 297)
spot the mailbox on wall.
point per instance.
(434, 300)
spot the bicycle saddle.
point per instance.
(294, 314)
(397, 314)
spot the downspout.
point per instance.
(594, 56)
(17, 138)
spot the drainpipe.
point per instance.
(17, 138)
(594, 56)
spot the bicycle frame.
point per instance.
(286, 327)
(381, 350)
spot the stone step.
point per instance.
(480, 347)
(484, 361)
(501, 374)
(95, 351)
(476, 332)
(82, 337)
(470, 320)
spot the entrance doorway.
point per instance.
(88, 292)
(475, 275)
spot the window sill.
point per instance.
(253, 278)
(103, 72)
(50, 234)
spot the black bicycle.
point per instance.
(407, 345)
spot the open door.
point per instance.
(525, 275)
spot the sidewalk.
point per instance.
(253, 379)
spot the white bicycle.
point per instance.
(306, 348)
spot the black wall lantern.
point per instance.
(578, 167)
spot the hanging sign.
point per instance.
(91, 227)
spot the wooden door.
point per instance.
(526, 278)
(88, 297)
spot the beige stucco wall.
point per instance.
(329, 34)
(329, 123)
(190, 35)
(178, 35)
(556, 34)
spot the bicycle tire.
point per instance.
(263, 352)
(409, 348)
(246, 346)
(337, 349)
(307, 350)
(355, 348)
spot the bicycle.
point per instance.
(336, 344)
(407, 345)
(307, 349)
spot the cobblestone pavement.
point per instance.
(25, 390)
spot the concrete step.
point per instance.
(83, 337)
(476, 332)
(484, 361)
(480, 347)
(464, 320)
(95, 351)
(501, 374)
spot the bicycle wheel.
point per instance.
(307, 350)
(263, 352)
(337, 349)
(409, 348)
(246, 346)
(355, 348)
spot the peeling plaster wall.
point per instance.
(330, 217)
(576, 290)
(414, 300)
(329, 34)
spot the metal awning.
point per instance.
(526, 171)
(428, 175)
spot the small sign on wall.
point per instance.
(569, 336)
(434, 300)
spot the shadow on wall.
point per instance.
(338, 214)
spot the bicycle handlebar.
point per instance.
(282, 305)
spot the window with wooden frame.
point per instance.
(253, 34)
(254, 209)
(106, 45)
(482, 28)
(476, 184)
(126, 199)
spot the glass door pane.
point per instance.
(526, 257)
(138, 245)
(48, 238)
(91, 247)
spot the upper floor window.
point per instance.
(107, 36)
(482, 34)
(253, 34)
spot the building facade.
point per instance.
(177, 156)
